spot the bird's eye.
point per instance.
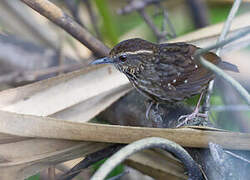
(123, 58)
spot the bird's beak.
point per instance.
(105, 60)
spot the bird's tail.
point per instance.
(213, 58)
(228, 66)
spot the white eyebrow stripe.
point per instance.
(139, 52)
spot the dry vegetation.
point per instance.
(50, 93)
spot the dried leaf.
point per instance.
(55, 96)
(45, 127)
(157, 165)
(21, 162)
(50, 96)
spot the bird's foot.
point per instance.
(154, 114)
(150, 107)
(190, 117)
(151, 103)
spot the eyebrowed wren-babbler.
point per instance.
(163, 72)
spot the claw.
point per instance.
(193, 115)
(148, 110)
(190, 117)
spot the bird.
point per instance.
(164, 73)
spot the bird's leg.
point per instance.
(157, 116)
(193, 115)
(153, 113)
(149, 109)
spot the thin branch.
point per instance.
(223, 34)
(243, 32)
(228, 22)
(239, 34)
(167, 21)
(140, 6)
(234, 107)
(159, 35)
(33, 28)
(136, 5)
(199, 12)
(238, 156)
(206, 105)
(242, 91)
(52, 173)
(218, 154)
(93, 19)
(57, 16)
(193, 169)
(74, 10)
(237, 45)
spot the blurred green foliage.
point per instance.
(109, 26)
(128, 22)
(35, 177)
(219, 13)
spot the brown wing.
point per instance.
(182, 75)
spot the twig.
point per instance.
(219, 158)
(206, 105)
(52, 173)
(199, 12)
(228, 23)
(60, 52)
(56, 15)
(237, 45)
(17, 77)
(235, 107)
(242, 91)
(238, 156)
(24, 19)
(240, 33)
(140, 6)
(74, 9)
(92, 18)
(221, 161)
(167, 21)
(136, 5)
(223, 34)
(193, 170)
(159, 35)
(220, 72)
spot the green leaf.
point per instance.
(108, 28)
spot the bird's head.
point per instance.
(129, 55)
